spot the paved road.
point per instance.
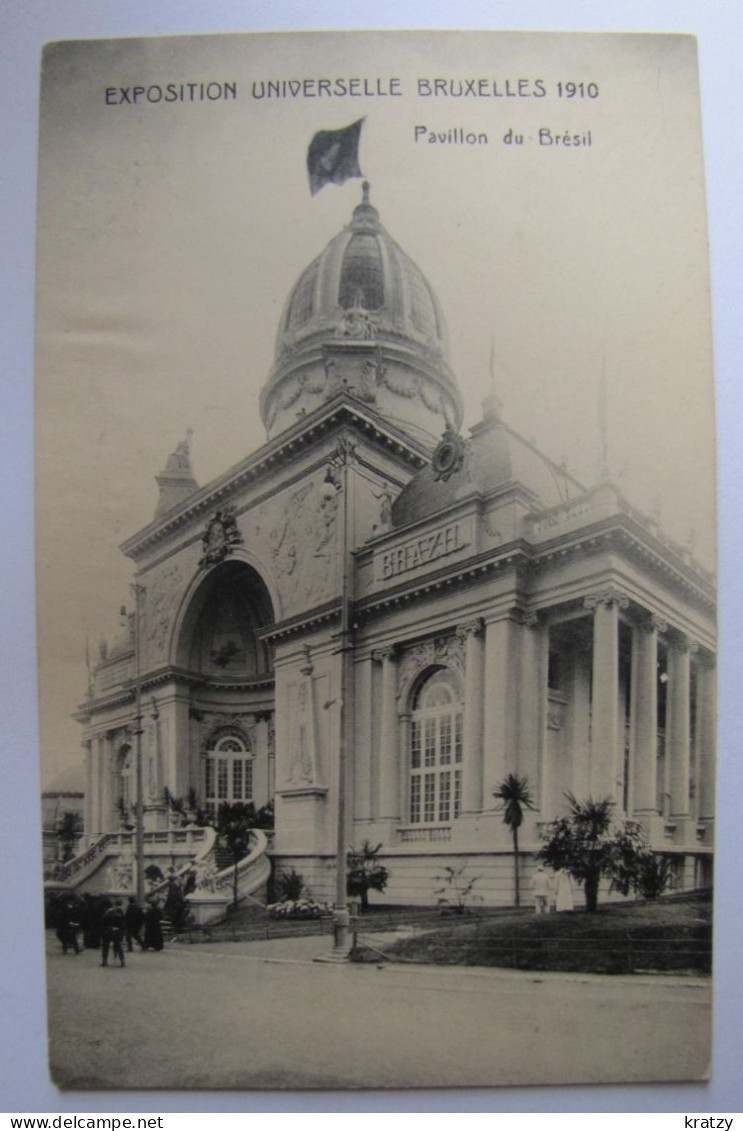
(263, 1015)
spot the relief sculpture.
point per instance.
(301, 543)
(161, 601)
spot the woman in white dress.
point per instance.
(564, 892)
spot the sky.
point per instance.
(170, 234)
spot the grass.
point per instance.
(657, 935)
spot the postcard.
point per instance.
(376, 560)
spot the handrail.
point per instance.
(111, 844)
(65, 872)
(200, 857)
(226, 877)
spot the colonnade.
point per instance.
(614, 717)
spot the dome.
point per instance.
(363, 319)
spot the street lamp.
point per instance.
(334, 484)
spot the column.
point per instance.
(580, 771)
(605, 691)
(388, 802)
(88, 802)
(403, 773)
(645, 714)
(705, 739)
(677, 726)
(529, 734)
(109, 819)
(472, 760)
(498, 756)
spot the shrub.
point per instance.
(655, 875)
(456, 889)
(289, 886)
(365, 872)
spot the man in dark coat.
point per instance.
(133, 921)
(67, 926)
(113, 933)
(153, 931)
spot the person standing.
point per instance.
(67, 926)
(564, 899)
(153, 931)
(540, 888)
(113, 933)
(133, 923)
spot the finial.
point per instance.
(491, 404)
(365, 192)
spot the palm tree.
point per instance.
(234, 824)
(514, 794)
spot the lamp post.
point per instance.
(138, 592)
(336, 482)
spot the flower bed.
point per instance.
(297, 909)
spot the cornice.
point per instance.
(303, 622)
(125, 692)
(621, 532)
(343, 411)
(511, 557)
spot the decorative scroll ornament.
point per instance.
(609, 597)
(470, 628)
(220, 537)
(448, 456)
(447, 652)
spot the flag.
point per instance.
(333, 156)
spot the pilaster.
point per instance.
(388, 759)
(499, 748)
(471, 634)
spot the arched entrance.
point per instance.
(224, 747)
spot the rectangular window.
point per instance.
(430, 750)
(429, 798)
(415, 745)
(445, 740)
(415, 800)
(457, 792)
(209, 779)
(444, 795)
(248, 795)
(223, 781)
(458, 728)
(237, 779)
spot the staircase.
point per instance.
(222, 857)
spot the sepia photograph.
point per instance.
(375, 561)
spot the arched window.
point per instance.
(228, 771)
(436, 752)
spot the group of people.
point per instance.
(107, 924)
(552, 893)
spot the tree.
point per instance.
(69, 830)
(365, 872)
(514, 794)
(234, 822)
(587, 844)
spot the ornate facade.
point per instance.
(444, 610)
